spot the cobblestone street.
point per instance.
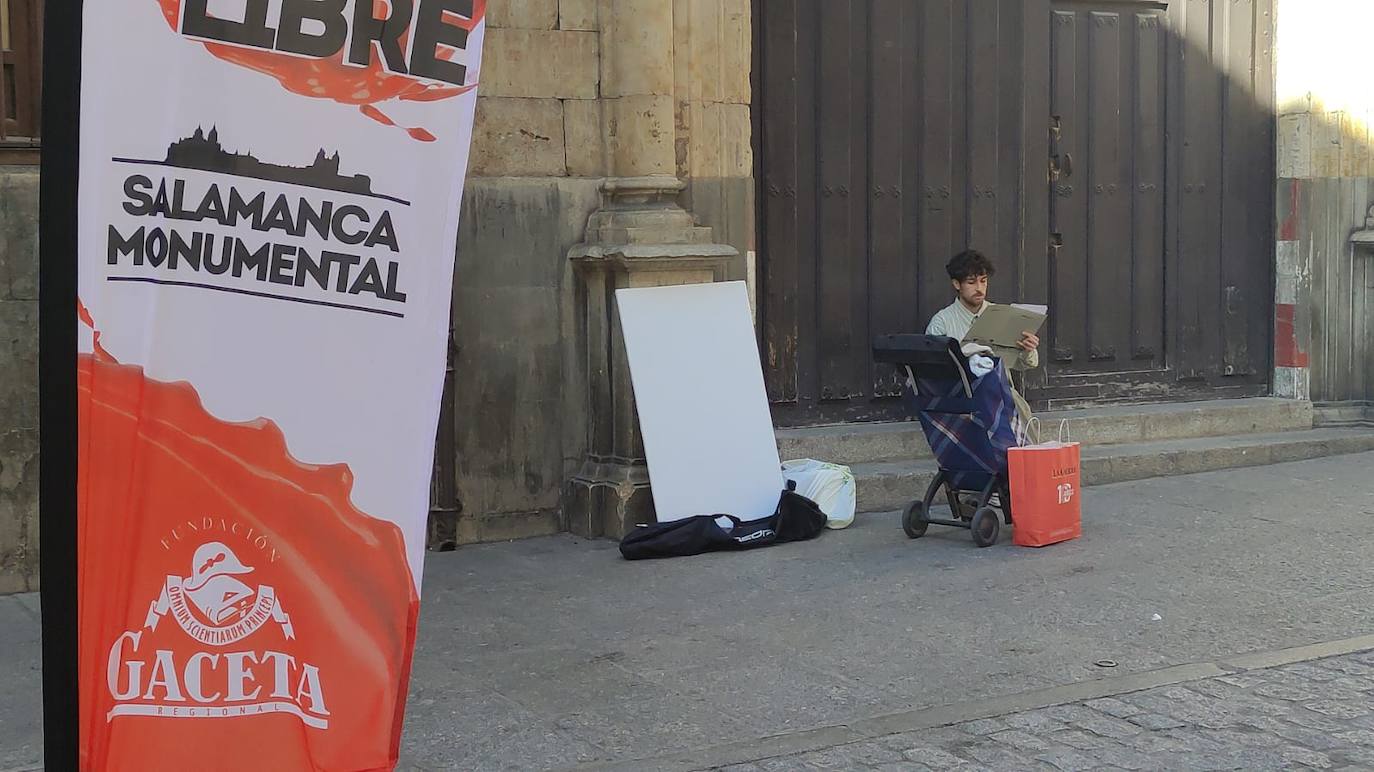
(1317, 714)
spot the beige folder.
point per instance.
(999, 327)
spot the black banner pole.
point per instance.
(57, 330)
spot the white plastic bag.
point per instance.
(831, 486)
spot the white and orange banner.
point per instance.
(269, 194)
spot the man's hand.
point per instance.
(1029, 341)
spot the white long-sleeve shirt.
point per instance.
(955, 320)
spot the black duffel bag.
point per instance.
(796, 518)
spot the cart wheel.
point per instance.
(914, 520)
(985, 526)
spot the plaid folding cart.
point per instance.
(970, 423)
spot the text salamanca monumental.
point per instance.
(202, 151)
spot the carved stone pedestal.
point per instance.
(639, 238)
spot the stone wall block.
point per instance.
(19, 235)
(1294, 102)
(1366, 118)
(737, 150)
(638, 38)
(518, 138)
(1295, 146)
(1354, 145)
(18, 510)
(640, 135)
(510, 322)
(522, 14)
(19, 363)
(736, 51)
(718, 142)
(697, 32)
(577, 14)
(713, 51)
(1326, 144)
(541, 64)
(582, 129)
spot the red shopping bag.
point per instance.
(1044, 493)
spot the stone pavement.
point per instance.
(555, 653)
(1306, 715)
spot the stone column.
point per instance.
(1324, 268)
(641, 236)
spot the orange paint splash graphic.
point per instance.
(332, 79)
(237, 611)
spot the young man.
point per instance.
(969, 272)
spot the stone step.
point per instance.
(903, 441)
(888, 486)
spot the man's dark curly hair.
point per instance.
(968, 264)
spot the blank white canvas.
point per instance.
(703, 411)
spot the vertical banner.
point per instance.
(267, 219)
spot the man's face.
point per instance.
(972, 290)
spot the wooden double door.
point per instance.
(1115, 159)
